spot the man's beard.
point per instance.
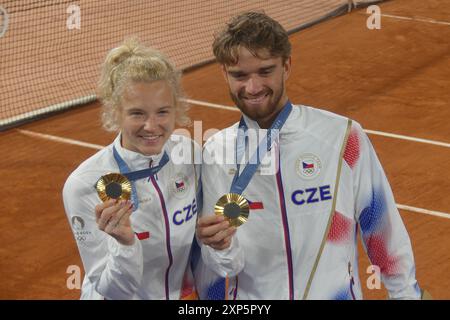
(255, 114)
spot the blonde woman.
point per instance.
(137, 248)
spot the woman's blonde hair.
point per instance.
(133, 62)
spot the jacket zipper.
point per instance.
(166, 220)
(287, 239)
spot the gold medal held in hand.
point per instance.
(234, 207)
(113, 186)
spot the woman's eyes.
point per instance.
(141, 114)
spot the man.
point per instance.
(300, 238)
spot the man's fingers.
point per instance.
(223, 234)
(219, 237)
(215, 231)
(225, 243)
(211, 230)
(206, 221)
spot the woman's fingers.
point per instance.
(102, 206)
(114, 216)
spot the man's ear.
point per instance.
(223, 68)
(287, 67)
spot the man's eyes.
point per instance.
(265, 72)
(238, 75)
(243, 75)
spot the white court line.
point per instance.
(379, 133)
(427, 20)
(96, 146)
(424, 211)
(211, 105)
(60, 139)
(402, 137)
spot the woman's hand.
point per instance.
(113, 217)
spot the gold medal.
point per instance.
(234, 207)
(113, 186)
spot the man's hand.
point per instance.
(215, 231)
(113, 217)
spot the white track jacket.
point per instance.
(300, 241)
(157, 265)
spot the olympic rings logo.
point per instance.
(80, 238)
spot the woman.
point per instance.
(137, 248)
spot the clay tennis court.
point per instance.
(394, 80)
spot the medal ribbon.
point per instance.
(139, 174)
(241, 181)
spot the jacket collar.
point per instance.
(136, 160)
(290, 127)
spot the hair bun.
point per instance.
(127, 49)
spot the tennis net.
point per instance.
(51, 51)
